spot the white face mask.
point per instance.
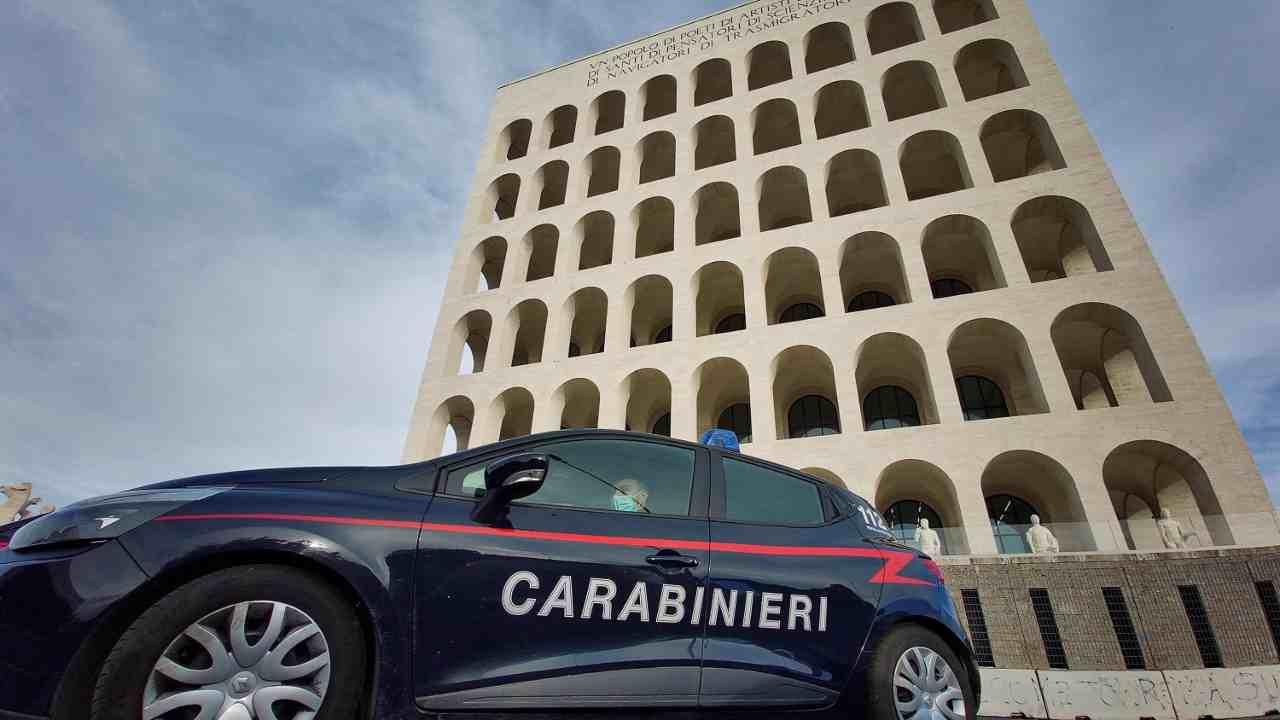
(625, 503)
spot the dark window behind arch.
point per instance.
(1010, 517)
(663, 335)
(737, 417)
(731, 323)
(949, 287)
(870, 300)
(980, 398)
(812, 416)
(904, 517)
(800, 311)
(889, 406)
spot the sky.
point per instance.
(225, 226)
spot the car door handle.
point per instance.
(671, 559)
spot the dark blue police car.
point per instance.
(570, 570)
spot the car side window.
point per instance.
(618, 475)
(756, 494)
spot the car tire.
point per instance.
(176, 637)
(910, 649)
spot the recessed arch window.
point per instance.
(1010, 517)
(980, 398)
(889, 406)
(800, 311)
(731, 323)
(812, 416)
(949, 287)
(737, 417)
(870, 300)
(662, 426)
(904, 517)
(663, 335)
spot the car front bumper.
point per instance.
(50, 602)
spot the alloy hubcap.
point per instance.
(258, 660)
(925, 687)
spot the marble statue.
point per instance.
(927, 539)
(1040, 539)
(18, 503)
(1171, 532)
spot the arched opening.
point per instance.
(515, 407)
(892, 376)
(784, 198)
(995, 375)
(603, 164)
(841, 107)
(657, 156)
(724, 397)
(1147, 477)
(768, 63)
(988, 67)
(893, 26)
(960, 257)
(470, 342)
(595, 240)
(487, 261)
(959, 14)
(716, 213)
(1106, 357)
(649, 302)
(553, 178)
(659, 96)
(825, 476)
(792, 286)
(452, 422)
(514, 141)
(1057, 239)
(562, 123)
(540, 246)
(589, 308)
(933, 164)
(827, 46)
(579, 404)
(871, 273)
(909, 491)
(714, 142)
(712, 80)
(804, 394)
(776, 126)
(655, 226)
(500, 198)
(648, 395)
(854, 183)
(610, 110)
(1021, 483)
(911, 88)
(529, 319)
(718, 293)
(1019, 143)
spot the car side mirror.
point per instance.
(507, 480)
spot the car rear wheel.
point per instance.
(257, 642)
(915, 675)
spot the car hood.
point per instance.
(270, 476)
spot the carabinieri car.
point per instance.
(568, 570)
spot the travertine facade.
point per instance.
(742, 170)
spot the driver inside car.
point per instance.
(630, 495)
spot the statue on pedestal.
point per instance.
(18, 503)
(927, 539)
(1040, 539)
(1171, 532)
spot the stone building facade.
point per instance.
(875, 239)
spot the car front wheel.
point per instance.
(915, 675)
(257, 642)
